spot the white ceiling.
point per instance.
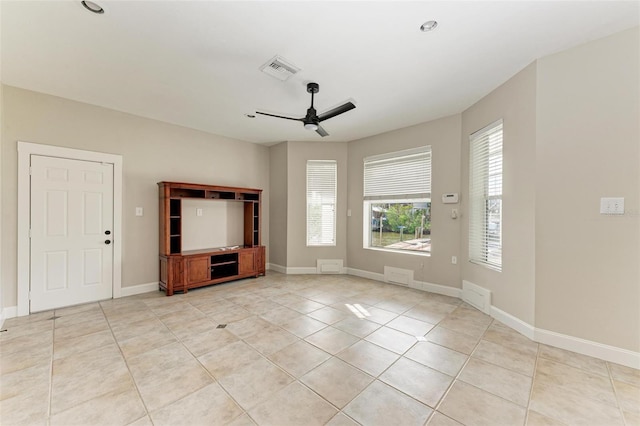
(195, 63)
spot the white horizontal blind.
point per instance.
(401, 174)
(321, 202)
(485, 193)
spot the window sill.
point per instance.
(409, 252)
(486, 265)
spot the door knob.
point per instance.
(107, 232)
(107, 241)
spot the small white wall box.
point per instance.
(451, 198)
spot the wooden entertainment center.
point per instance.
(182, 270)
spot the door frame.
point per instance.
(25, 150)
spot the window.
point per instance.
(485, 193)
(397, 201)
(321, 202)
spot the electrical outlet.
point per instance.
(454, 260)
(612, 205)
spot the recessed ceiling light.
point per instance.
(428, 26)
(250, 116)
(92, 7)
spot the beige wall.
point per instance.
(298, 254)
(152, 151)
(444, 137)
(588, 146)
(220, 225)
(278, 191)
(513, 289)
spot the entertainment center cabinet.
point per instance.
(182, 270)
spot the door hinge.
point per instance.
(29, 232)
(30, 170)
(29, 295)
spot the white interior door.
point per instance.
(71, 254)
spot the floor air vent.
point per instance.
(329, 266)
(398, 276)
(279, 68)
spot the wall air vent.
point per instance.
(279, 68)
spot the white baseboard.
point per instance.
(588, 347)
(365, 274)
(437, 288)
(139, 289)
(302, 270)
(293, 270)
(8, 312)
(277, 268)
(510, 321)
(567, 342)
(418, 285)
(12, 311)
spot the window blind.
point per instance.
(321, 202)
(485, 195)
(398, 174)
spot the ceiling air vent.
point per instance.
(279, 68)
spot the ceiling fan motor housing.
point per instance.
(313, 87)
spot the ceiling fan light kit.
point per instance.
(92, 7)
(312, 120)
(428, 26)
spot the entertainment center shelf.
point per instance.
(182, 270)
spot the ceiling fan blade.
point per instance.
(322, 132)
(336, 111)
(279, 116)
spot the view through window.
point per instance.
(397, 201)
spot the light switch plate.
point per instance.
(612, 205)
(139, 211)
(198, 212)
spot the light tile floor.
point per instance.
(297, 350)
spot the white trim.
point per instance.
(510, 321)
(437, 288)
(139, 289)
(8, 312)
(302, 271)
(25, 150)
(564, 341)
(588, 347)
(417, 285)
(365, 274)
(277, 268)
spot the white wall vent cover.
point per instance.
(476, 296)
(329, 266)
(398, 275)
(279, 68)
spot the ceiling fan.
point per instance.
(312, 120)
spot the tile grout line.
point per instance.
(615, 393)
(215, 380)
(244, 411)
(533, 381)
(53, 346)
(446, 392)
(135, 384)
